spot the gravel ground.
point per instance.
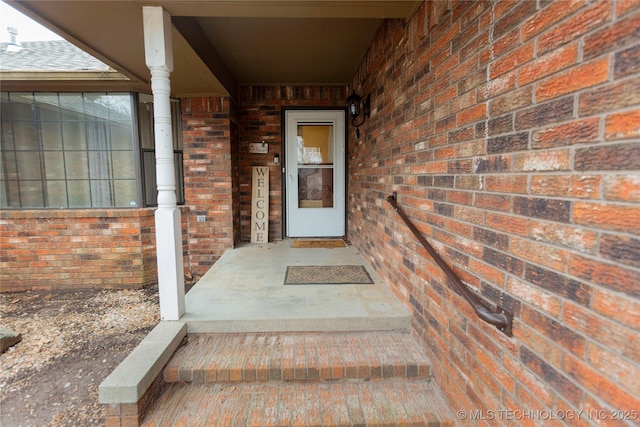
(71, 341)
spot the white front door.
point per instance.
(315, 173)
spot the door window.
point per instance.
(315, 166)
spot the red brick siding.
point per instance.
(47, 249)
(235, 171)
(260, 119)
(209, 137)
(132, 414)
(510, 132)
(73, 249)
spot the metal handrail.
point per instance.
(500, 318)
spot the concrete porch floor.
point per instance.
(243, 296)
(244, 291)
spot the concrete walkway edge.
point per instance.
(131, 379)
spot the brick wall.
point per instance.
(46, 249)
(260, 119)
(209, 137)
(73, 249)
(510, 131)
(235, 171)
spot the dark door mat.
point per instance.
(318, 243)
(327, 275)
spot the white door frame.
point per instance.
(315, 222)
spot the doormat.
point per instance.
(327, 275)
(317, 243)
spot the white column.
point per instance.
(159, 59)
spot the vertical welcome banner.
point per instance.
(260, 205)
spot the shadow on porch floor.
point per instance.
(244, 292)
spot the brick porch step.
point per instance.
(277, 403)
(291, 356)
(299, 379)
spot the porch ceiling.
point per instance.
(222, 44)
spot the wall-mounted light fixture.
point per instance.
(358, 107)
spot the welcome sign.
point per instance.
(260, 205)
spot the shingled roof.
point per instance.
(53, 55)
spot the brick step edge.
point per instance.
(299, 357)
(388, 403)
